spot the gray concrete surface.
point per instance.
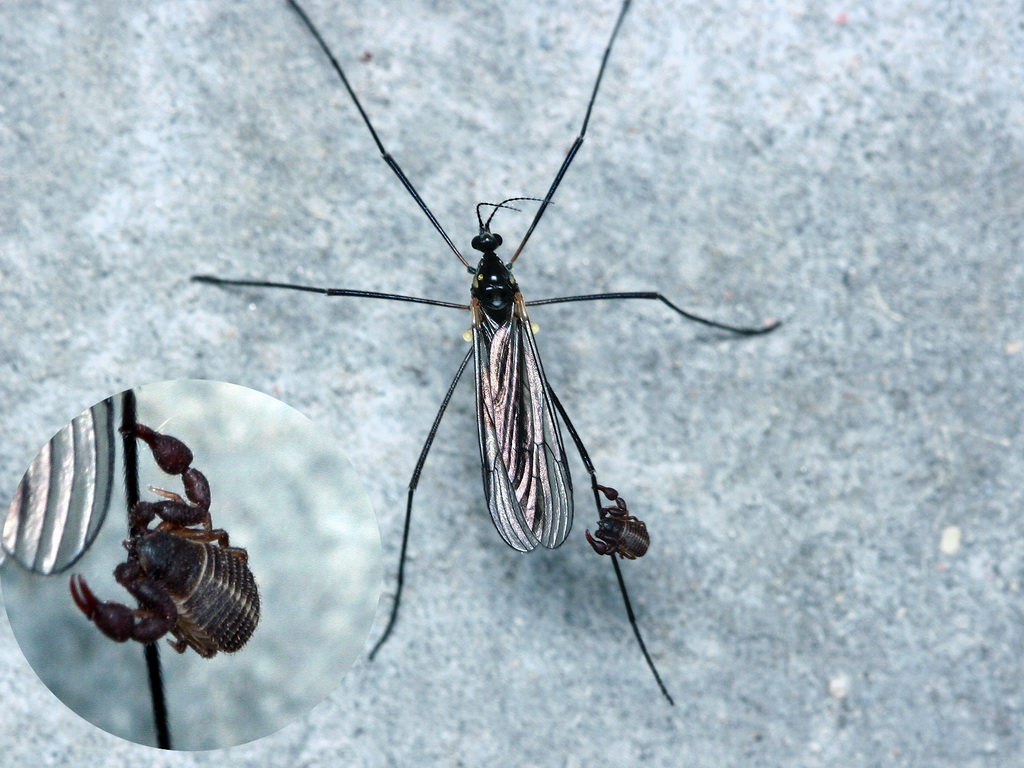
(852, 169)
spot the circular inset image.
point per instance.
(199, 565)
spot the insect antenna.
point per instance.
(392, 163)
(503, 204)
(579, 139)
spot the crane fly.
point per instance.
(526, 477)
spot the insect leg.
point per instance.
(615, 561)
(413, 482)
(392, 164)
(570, 156)
(655, 295)
(151, 652)
(326, 291)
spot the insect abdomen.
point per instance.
(223, 608)
(634, 540)
(627, 536)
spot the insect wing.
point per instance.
(526, 477)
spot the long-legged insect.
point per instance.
(525, 473)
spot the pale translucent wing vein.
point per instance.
(526, 478)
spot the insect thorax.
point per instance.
(494, 287)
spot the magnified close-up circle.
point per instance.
(202, 528)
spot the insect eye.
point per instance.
(486, 242)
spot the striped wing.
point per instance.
(526, 477)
